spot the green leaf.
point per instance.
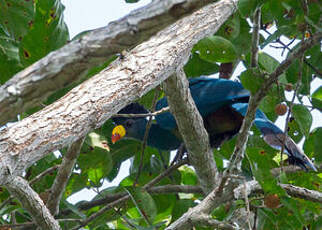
(246, 7)
(267, 62)
(241, 42)
(252, 80)
(143, 202)
(292, 205)
(188, 176)
(317, 98)
(164, 204)
(48, 29)
(318, 145)
(261, 163)
(313, 144)
(28, 31)
(303, 118)
(180, 207)
(231, 29)
(15, 19)
(74, 209)
(294, 131)
(76, 183)
(95, 159)
(216, 49)
(273, 98)
(197, 66)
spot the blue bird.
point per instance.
(222, 104)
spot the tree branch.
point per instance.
(285, 46)
(30, 87)
(90, 104)
(31, 224)
(192, 130)
(294, 191)
(203, 220)
(30, 200)
(64, 172)
(175, 189)
(273, 77)
(110, 198)
(32, 181)
(157, 189)
(255, 37)
(163, 110)
(303, 193)
(44, 173)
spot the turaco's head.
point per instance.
(129, 126)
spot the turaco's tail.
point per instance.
(274, 136)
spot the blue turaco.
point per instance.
(222, 104)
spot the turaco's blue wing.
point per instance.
(274, 136)
(209, 95)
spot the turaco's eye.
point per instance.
(128, 123)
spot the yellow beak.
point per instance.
(118, 133)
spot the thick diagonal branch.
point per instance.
(30, 200)
(64, 172)
(90, 104)
(191, 127)
(60, 68)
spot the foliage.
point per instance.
(28, 31)
(31, 29)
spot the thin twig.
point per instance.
(165, 173)
(317, 71)
(255, 37)
(30, 224)
(247, 205)
(117, 210)
(255, 220)
(44, 173)
(5, 202)
(112, 197)
(163, 110)
(65, 171)
(298, 84)
(158, 189)
(146, 135)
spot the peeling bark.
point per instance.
(192, 130)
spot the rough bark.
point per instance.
(33, 85)
(294, 191)
(33, 203)
(90, 104)
(191, 127)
